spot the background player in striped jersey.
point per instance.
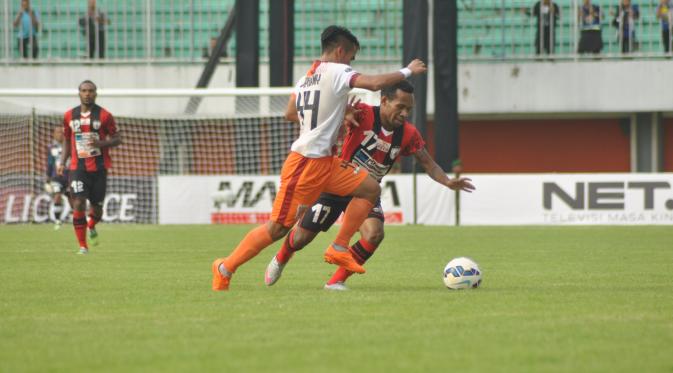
(90, 132)
(318, 104)
(382, 135)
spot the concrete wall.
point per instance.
(562, 87)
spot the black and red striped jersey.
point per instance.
(80, 128)
(372, 147)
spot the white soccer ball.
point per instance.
(462, 273)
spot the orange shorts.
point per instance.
(303, 179)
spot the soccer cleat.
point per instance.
(337, 286)
(342, 259)
(220, 282)
(93, 236)
(273, 272)
(83, 251)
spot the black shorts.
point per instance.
(322, 215)
(90, 185)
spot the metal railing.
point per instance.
(184, 31)
(167, 31)
(508, 30)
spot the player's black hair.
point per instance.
(333, 36)
(95, 88)
(402, 85)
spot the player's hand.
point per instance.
(95, 143)
(352, 111)
(461, 183)
(59, 170)
(417, 67)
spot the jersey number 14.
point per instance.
(303, 106)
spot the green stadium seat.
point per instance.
(482, 27)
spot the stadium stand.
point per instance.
(505, 29)
(180, 30)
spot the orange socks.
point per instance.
(356, 213)
(251, 245)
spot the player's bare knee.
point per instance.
(276, 231)
(97, 211)
(369, 189)
(374, 237)
(373, 190)
(302, 237)
(78, 204)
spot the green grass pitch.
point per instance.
(554, 299)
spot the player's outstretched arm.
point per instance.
(377, 82)
(438, 175)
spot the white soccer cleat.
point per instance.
(273, 272)
(337, 286)
(83, 251)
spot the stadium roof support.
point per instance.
(415, 45)
(281, 43)
(247, 51)
(445, 56)
(281, 48)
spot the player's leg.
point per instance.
(96, 199)
(353, 181)
(296, 240)
(79, 188)
(302, 180)
(57, 200)
(320, 217)
(58, 187)
(371, 236)
(252, 244)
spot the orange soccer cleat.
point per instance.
(342, 259)
(220, 282)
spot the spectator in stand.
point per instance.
(590, 24)
(93, 27)
(665, 16)
(28, 23)
(625, 20)
(547, 13)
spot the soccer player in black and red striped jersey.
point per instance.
(383, 134)
(89, 132)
